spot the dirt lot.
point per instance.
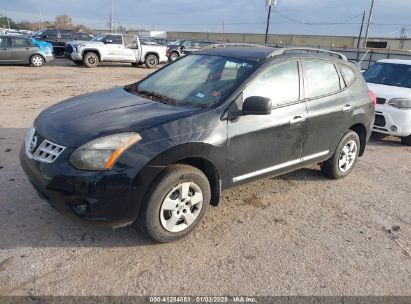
(299, 234)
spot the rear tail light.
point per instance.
(373, 98)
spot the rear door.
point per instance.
(330, 107)
(20, 50)
(4, 50)
(267, 144)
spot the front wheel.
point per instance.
(151, 61)
(406, 140)
(36, 61)
(173, 57)
(175, 203)
(344, 158)
(91, 60)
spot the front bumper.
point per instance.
(73, 56)
(111, 198)
(392, 121)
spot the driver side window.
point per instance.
(280, 83)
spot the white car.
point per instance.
(390, 80)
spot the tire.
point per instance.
(174, 204)
(36, 61)
(151, 61)
(406, 140)
(173, 56)
(91, 60)
(78, 62)
(344, 158)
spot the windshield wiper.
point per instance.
(150, 95)
(157, 97)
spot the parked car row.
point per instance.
(179, 48)
(58, 38)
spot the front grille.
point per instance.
(379, 121)
(381, 100)
(46, 152)
(68, 49)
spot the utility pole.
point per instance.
(111, 22)
(360, 35)
(269, 3)
(222, 33)
(40, 21)
(368, 24)
(8, 20)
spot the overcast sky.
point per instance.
(288, 17)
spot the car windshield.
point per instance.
(390, 74)
(99, 38)
(40, 32)
(177, 42)
(195, 80)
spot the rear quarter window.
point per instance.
(321, 78)
(348, 75)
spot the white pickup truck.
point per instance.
(115, 48)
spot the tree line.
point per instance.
(61, 22)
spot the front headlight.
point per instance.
(102, 153)
(400, 103)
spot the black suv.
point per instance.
(181, 48)
(58, 38)
(156, 153)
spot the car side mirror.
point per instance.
(257, 105)
(108, 41)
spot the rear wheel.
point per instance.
(151, 61)
(175, 203)
(173, 56)
(91, 60)
(36, 61)
(406, 140)
(344, 158)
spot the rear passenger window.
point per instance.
(280, 83)
(321, 78)
(18, 42)
(348, 74)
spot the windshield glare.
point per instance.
(398, 75)
(197, 80)
(99, 38)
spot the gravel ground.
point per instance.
(298, 234)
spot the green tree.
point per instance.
(5, 22)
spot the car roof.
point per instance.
(262, 53)
(246, 52)
(396, 61)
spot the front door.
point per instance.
(4, 50)
(269, 144)
(330, 107)
(114, 48)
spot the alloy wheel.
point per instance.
(347, 156)
(181, 207)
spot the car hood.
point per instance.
(389, 92)
(78, 120)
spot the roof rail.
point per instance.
(231, 44)
(282, 51)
